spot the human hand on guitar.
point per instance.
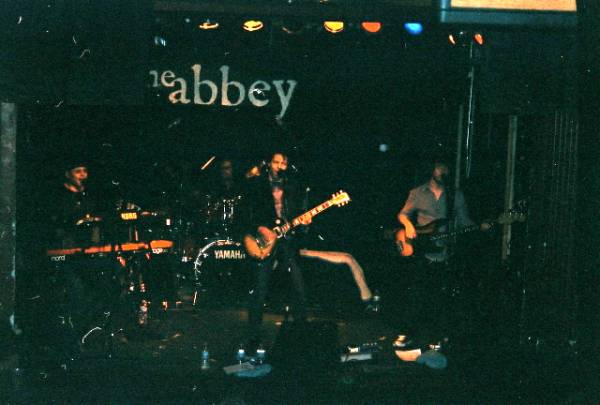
(305, 219)
(260, 246)
(409, 229)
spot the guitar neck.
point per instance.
(308, 214)
(461, 231)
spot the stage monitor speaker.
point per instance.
(306, 345)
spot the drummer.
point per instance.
(218, 198)
(227, 186)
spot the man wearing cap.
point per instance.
(71, 204)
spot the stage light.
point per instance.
(371, 26)
(253, 25)
(208, 25)
(460, 38)
(478, 38)
(334, 26)
(413, 28)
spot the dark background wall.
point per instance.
(84, 84)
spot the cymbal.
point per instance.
(88, 219)
(157, 213)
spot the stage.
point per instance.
(143, 144)
(161, 361)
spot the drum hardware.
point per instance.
(88, 219)
(218, 214)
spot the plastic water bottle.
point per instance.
(143, 313)
(241, 354)
(376, 302)
(260, 354)
(205, 365)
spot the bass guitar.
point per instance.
(428, 235)
(261, 246)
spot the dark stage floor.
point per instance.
(160, 363)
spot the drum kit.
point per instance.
(152, 256)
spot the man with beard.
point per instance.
(437, 204)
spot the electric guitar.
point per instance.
(428, 235)
(261, 246)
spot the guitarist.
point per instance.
(274, 201)
(433, 201)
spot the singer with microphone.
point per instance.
(70, 204)
(274, 201)
(72, 222)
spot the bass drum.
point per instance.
(221, 270)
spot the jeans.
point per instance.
(285, 258)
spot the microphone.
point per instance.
(255, 171)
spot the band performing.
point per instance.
(225, 238)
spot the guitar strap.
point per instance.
(450, 198)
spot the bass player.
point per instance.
(433, 202)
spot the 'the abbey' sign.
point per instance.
(223, 91)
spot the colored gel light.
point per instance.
(334, 26)
(371, 26)
(208, 25)
(478, 38)
(253, 25)
(413, 28)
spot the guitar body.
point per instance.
(430, 236)
(406, 247)
(261, 245)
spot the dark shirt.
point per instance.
(262, 204)
(66, 209)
